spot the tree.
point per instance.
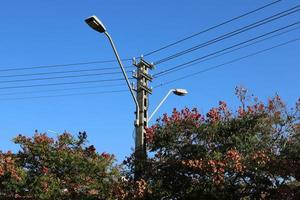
(11, 176)
(253, 153)
(65, 168)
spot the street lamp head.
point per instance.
(95, 24)
(180, 92)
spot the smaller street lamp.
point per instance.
(178, 92)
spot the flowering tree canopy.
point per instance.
(65, 168)
(253, 153)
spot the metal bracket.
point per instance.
(145, 88)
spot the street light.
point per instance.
(98, 26)
(178, 92)
(95, 24)
(140, 151)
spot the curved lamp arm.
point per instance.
(98, 26)
(126, 77)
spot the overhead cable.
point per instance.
(61, 89)
(63, 65)
(64, 83)
(55, 77)
(232, 33)
(226, 63)
(63, 95)
(209, 56)
(213, 27)
(60, 72)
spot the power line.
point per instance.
(226, 63)
(233, 33)
(56, 77)
(185, 65)
(63, 89)
(60, 72)
(64, 65)
(64, 95)
(208, 56)
(65, 83)
(213, 27)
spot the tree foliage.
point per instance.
(65, 168)
(253, 153)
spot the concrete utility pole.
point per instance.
(143, 92)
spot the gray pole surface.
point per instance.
(143, 92)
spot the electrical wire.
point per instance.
(208, 56)
(226, 63)
(59, 90)
(168, 82)
(107, 61)
(184, 66)
(149, 53)
(63, 65)
(64, 95)
(233, 33)
(56, 77)
(60, 72)
(213, 27)
(230, 34)
(64, 83)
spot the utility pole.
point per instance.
(140, 99)
(142, 76)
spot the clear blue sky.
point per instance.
(35, 33)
